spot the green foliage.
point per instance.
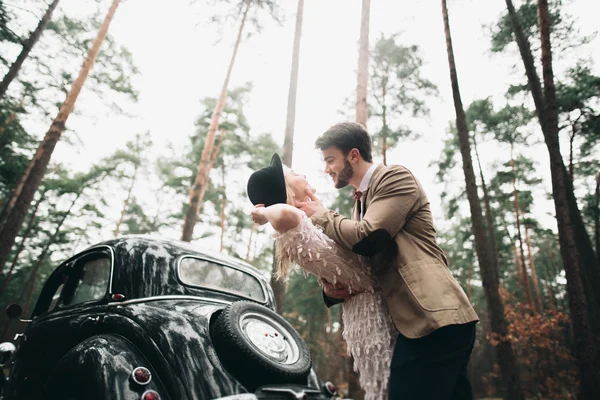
(52, 66)
(344, 201)
(397, 90)
(7, 35)
(230, 11)
(505, 125)
(563, 28)
(16, 145)
(239, 151)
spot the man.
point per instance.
(392, 227)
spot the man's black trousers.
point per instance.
(433, 367)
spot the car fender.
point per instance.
(101, 367)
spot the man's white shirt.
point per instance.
(364, 185)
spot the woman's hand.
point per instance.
(258, 214)
(335, 291)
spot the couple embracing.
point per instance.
(407, 322)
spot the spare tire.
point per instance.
(259, 347)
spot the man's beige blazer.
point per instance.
(398, 239)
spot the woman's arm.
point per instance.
(282, 217)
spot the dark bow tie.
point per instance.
(357, 194)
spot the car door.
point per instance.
(69, 309)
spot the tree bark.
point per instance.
(362, 114)
(223, 204)
(277, 285)
(488, 209)
(534, 278)
(487, 264)
(362, 111)
(288, 142)
(8, 208)
(252, 228)
(597, 217)
(7, 123)
(22, 244)
(518, 264)
(571, 152)
(27, 46)
(384, 129)
(201, 182)
(551, 296)
(470, 283)
(575, 247)
(126, 201)
(524, 273)
(37, 166)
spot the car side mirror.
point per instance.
(14, 311)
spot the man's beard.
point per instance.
(344, 177)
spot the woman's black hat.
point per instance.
(267, 185)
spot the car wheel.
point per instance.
(260, 347)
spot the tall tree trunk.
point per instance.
(518, 265)
(288, 142)
(362, 114)
(362, 110)
(486, 201)
(597, 217)
(27, 46)
(524, 273)
(470, 283)
(571, 152)
(127, 200)
(576, 249)
(551, 296)
(22, 244)
(201, 182)
(487, 264)
(534, 277)
(252, 229)
(384, 129)
(8, 208)
(7, 122)
(223, 204)
(277, 285)
(39, 163)
(213, 159)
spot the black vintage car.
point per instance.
(146, 318)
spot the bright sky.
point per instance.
(182, 59)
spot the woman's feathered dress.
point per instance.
(368, 329)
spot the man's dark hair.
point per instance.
(347, 136)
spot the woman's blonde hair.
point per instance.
(282, 260)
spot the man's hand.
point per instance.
(258, 215)
(335, 291)
(312, 205)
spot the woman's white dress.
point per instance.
(368, 329)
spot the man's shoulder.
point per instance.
(385, 173)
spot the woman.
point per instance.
(368, 328)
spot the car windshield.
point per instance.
(206, 274)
